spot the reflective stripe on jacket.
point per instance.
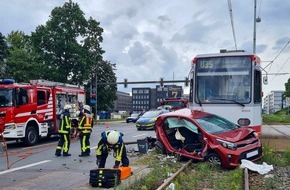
(85, 124)
(118, 148)
(65, 125)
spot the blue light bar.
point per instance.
(7, 81)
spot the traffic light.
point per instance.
(125, 83)
(186, 81)
(161, 82)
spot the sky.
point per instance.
(153, 39)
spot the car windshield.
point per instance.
(151, 114)
(134, 115)
(214, 124)
(175, 104)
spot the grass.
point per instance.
(281, 116)
(199, 175)
(203, 175)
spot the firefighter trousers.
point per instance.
(85, 143)
(63, 144)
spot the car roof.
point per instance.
(186, 112)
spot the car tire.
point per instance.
(214, 158)
(159, 147)
(127, 121)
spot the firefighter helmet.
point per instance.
(87, 107)
(67, 107)
(113, 137)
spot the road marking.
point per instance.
(139, 135)
(94, 147)
(22, 167)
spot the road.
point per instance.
(38, 168)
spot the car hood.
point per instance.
(145, 120)
(235, 135)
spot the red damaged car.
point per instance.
(203, 136)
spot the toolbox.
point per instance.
(109, 177)
(105, 177)
(125, 172)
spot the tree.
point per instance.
(69, 51)
(106, 93)
(20, 63)
(287, 88)
(3, 54)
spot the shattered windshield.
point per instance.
(6, 97)
(214, 124)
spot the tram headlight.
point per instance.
(244, 122)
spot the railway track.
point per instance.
(169, 180)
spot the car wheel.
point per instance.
(214, 158)
(127, 121)
(159, 147)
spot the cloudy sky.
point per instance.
(149, 39)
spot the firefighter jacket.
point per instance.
(85, 124)
(65, 125)
(103, 144)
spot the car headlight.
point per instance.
(226, 144)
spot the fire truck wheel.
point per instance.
(31, 137)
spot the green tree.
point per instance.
(69, 51)
(287, 88)
(20, 63)
(3, 54)
(106, 93)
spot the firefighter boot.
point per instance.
(83, 154)
(58, 152)
(66, 154)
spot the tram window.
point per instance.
(257, 87)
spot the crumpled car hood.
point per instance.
(235, 135)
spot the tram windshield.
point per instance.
(223, 80)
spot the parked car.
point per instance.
(133, 117)
(203, 136)
(147, 120)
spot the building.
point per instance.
(141, 98)
(273, 102)
(123, 102)
(144, 99)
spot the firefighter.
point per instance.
(85, 128)
(111, 140)
(64, 132)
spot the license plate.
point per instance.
(253, 153)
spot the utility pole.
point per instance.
(96, 110)
(254, 38)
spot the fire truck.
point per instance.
(30, 111)
(174, 103)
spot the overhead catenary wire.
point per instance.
(232, 22)
(270, 64)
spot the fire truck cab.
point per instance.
(30, 111)
(174, 103)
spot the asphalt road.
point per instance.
(38, 168)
